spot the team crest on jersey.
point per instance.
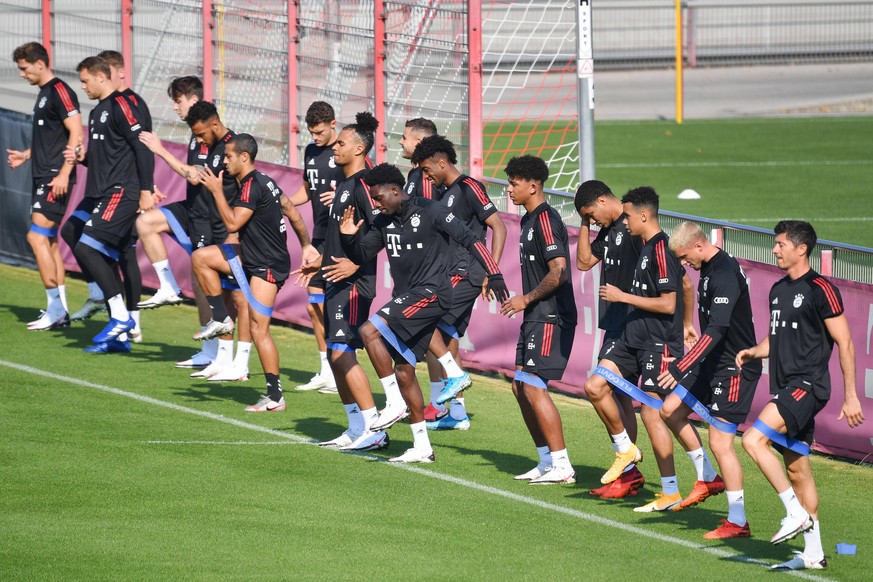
(415, 221)
(705, 284)
(344, 197)
(618, 239)
(193, 144)
(216, 161)
(798, 300)
(410, 188)
(331, 163)
(450, 201)
(104, 116)
(530, 234)
(42, 102)
(644, 263)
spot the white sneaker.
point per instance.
(91, 307)
(390, 415)
(329, 389)
(316, 383)
(267, 404)
(369, 441)
(209, 371)
(49, 321)
(801, 562)
(159, 299)
(555, 475)
(215, 329)
(413, 455)
(341, 441)
(791, 527)
(534, 473)
(198, 360)
(231, 374)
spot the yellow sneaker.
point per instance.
(662, 502)
(622, 460)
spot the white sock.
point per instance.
(435, 389)
(135, 316)
(94, 292)
(792, 504)
(224, 358)
(117, 310)
(62, 291)
(453, 370)
(356, 419)
(709, 472)
(736, 507)
(420, 440)
(622, 441)
(560, 458)
(210, 346)
(325, 371)
(545, 456)
(370, 416)
(812, 543)
(53, 301)
(457, 410)
(702, 465)
(243, 352)
(165, 276)
(392, 391)
(669, 485)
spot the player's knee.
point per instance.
(595, 389)
(68, 233)
(36, 241)
(369, 333)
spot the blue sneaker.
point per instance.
(449, 423)
(110, 347)
(453, 387)
(114, 329)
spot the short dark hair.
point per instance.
(364, 127)
(529, 168)
(31, 52)
(114, 58)
(244, 143)
(422, 125)
(642, 197)
(798, 232)
(434, 145)
(319, 112)
(189, 86)
(201, 111)
(588, 192)
(384, 174)
(94, 65)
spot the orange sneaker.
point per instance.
(628, 484)
(728, 530)
(701, 490)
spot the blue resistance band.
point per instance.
(101, 247)
(81, 215)
(530, 379)
(229, 284)
(178, 232)
(240, 276)
(340, 347)
(628, 388)
(392, 339)
(703, 412)
(799, 447)
(316, 297)
(44, 231)
(449, 330)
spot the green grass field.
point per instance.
(751, 171)
(122, 467)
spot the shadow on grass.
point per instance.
(242, 392)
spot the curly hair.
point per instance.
(530, 168)
(434, 145)
(364, 127)
(590, 191)
(384, 174)
(642, 197)
(319, 112)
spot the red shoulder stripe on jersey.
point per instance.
(695, 352)
(246, 191)
(661, 256)
(426, 188)
(65, 97)
(546, 225)
(368, 162)
(367, 190)
(133, 98)
(833, 301)
(493, 269)
(125, 107)
(477, 188)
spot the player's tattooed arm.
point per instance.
(556, 276)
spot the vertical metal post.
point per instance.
(127, 39)
(379, 77)
(208, 25)
(46, 9)
(827, 263)
(585, 89)
(293, 125)
(474, 99)
(680, 82)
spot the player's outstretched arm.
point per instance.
(153, 143)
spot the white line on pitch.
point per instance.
(717, 552)
(229, 443)
(812, 220)
(766, 164)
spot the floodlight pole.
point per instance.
(585, 88)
